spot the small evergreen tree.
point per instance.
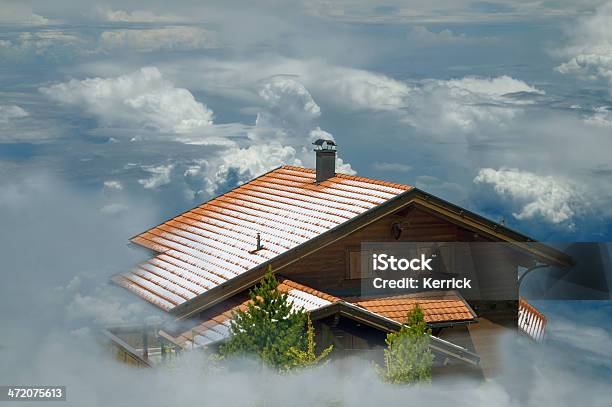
(308, 357)
(268, 328)
(408, 358)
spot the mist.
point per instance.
(59, 248)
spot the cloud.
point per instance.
(423, 35)
(289, 108)
(113, 184)
(173, 38)
(43, 43)
(392, 167)
(142, 99)
(601, 117)
(461, 104)
(285, 127)
(9, 112)
(160, 175)
(593, 340)
(20, 14)
(114, 208)
(590, 48)
(554, 200)
(466, 104)
(135, 16)
(359, 89)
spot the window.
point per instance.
(354, 260)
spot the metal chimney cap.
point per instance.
(324, 144)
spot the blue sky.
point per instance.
(501, 107)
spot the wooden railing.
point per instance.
(531, 322)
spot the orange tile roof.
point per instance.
(214, 242)
(437, 306)
(215, 325)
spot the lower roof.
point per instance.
(213, 326)
(437, 306)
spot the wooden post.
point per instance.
(145, 342)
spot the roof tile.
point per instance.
(437, 306)
(214, 242)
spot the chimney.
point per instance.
(326, 159)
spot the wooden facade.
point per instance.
(330, 269)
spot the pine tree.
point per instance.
(308, 357)
(268, 328)
(408, 358)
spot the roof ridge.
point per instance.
(351, 177)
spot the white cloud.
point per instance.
(174, 38)
(465, 104)
(160, 175)
(8, 112)
(142, 99)
(590, 50)
(552, 199)
(290, 111)
(359, 89)
(290, 95)
(496, 88)
(392, 167)
(459, 104)
(113, 185)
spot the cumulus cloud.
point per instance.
(142, 99)
(285, 127)
(173, 38)
(547, 197)
(461, 104)
(360, 89)
(9, 112)
(590, 50)
(160, 175)
(289, 108)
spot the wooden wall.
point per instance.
(328, 269)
